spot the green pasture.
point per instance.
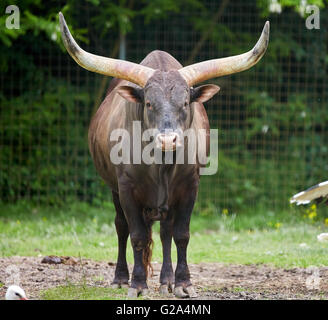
(280, 238)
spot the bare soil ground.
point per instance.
(211, 280)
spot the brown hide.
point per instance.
(115, 112)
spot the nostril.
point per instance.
(175, 139)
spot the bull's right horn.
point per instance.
(110, 67)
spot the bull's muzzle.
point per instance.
(168, 141)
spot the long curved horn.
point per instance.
(209, 69)
(110, 67)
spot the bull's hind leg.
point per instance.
(167, 276)
(121, 278)
(183, 287)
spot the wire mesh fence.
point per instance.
(271, 118)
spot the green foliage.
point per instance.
(29, 22)
(296, 5)
(271, 128)
(37, 144)
(112, 15)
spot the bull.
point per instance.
(160, 94)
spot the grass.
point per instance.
(80, 230)
(80, 292)
(260, 236)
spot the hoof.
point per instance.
(191, 292)
(144, 292)
(188, 292)
(134, 293)
(179, 292)
(165, 289)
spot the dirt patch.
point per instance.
(211, 280)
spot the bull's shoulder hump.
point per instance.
(156, 59)
(161, 60)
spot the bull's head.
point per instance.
(166, 96)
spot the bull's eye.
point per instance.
(186, 104)
(148, 105)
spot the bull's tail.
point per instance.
(147, 252)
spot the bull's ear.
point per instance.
(203, 93)
(131, 94)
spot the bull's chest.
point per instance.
(153, 189)
(157, 190)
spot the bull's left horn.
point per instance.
(110, 67)
(209, 69)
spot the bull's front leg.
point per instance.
(121, 278)
(140, 238)
(167, 276)
(183, 287)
